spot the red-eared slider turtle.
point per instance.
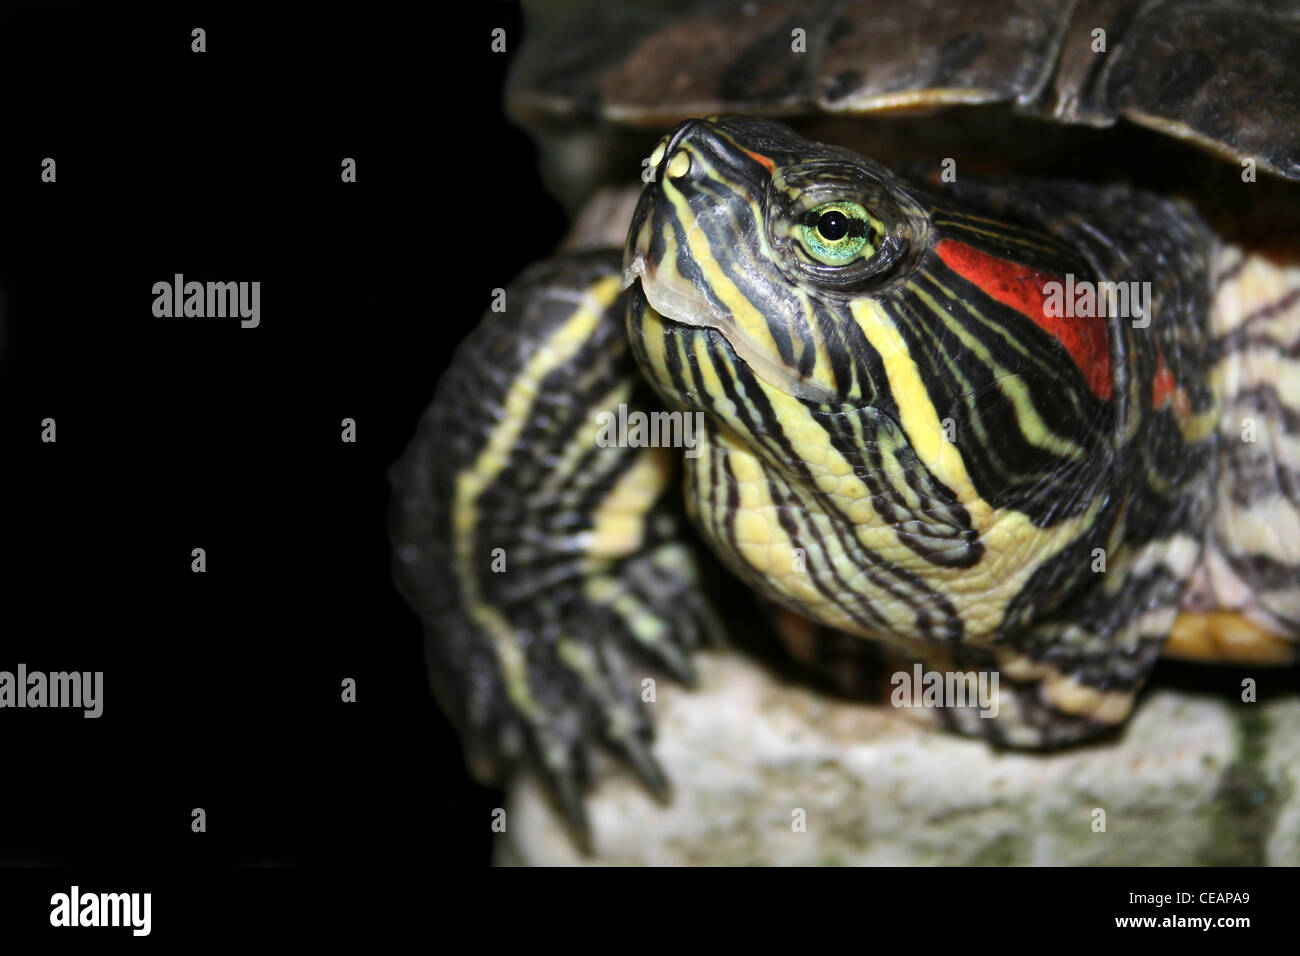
(1036, 427)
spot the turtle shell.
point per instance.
(1220, 74)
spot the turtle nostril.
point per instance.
(679, 165)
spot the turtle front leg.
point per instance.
(545, 559)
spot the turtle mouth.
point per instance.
(685, 305)
(695, 245)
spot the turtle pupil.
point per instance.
(833, 225)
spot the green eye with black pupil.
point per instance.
(836, 233)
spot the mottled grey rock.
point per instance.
(1191, 780)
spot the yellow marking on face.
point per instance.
(749, 330)
(916, 411)
(680, 164)
(747, 319)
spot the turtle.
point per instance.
(1005, 421)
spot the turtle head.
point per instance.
(746, 226)
(882, 391)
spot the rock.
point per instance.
(1190, 780)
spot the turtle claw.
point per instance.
(566, 782)
(566, 790)
(638, 756)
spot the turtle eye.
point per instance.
(836, 233)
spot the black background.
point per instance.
(222, 690)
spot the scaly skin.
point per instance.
(902, 448)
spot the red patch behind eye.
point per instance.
(1020, 287)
